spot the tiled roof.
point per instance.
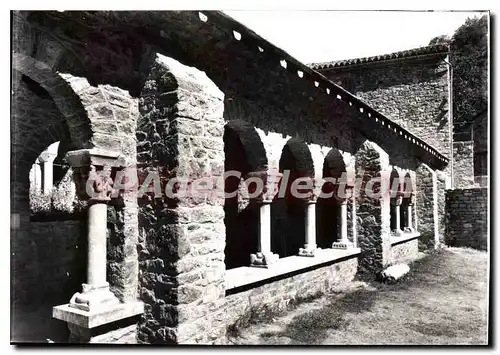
(438, 48)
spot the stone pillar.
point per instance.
(344, 242)
(96, 305)
(264, 257)
(47, 166)
(426, 207)
(310, 246)
(343, 221)
(182, 269)
(37, 176)
(396, 202)
(409, 221)
(373, 209)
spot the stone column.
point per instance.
(96, 291)
(344, 242)
(47, 166)
(264, 257)
(37, 176)
(310, 246)
(409, 214)
(396, 202)
(96, 304)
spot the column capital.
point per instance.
(315, 191)
(92, 171)
(96, 157)
(397, 201)
(270, 180)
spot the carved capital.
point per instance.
(92, 172)
(101, 184)
(270, 182)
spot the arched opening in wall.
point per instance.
(288, 213)
(407, 204)
(244, 153)
(395, 206)
(328, 218)
(48, 259)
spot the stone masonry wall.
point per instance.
(373, 216)
(441, 205)
(412, 93)
(463, 165)
(276, 296)
(181, 249)
(427, 209)
(467, 218)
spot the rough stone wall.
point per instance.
(181, 253)
(51, 265)
(404, 252)
(427, 207)
(373, 212)
(274, 297)
(463, 165)
(467, 218)
(441, 205)
(412, 93)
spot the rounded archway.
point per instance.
(328, 208)
(37, 123)
(288, 210)
(244, 153)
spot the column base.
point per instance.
(397, 232)
(308, 250)
(263, 260)
(94, 298)
(342, 245)
(409, 230)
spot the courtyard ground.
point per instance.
(443, 300)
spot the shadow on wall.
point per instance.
(244, 152)
(288, 213)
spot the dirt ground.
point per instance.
(443, 300)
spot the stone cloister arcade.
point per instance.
(184, 269)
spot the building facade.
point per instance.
(191, 96)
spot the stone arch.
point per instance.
(372, 208)
(427, 207)
(328, 209)
(296, 157)
(244, 153)
(37, 121)
(49, 107)
(63, 89)
(250, 142)
(288, 211)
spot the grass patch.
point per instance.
(442, 300)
